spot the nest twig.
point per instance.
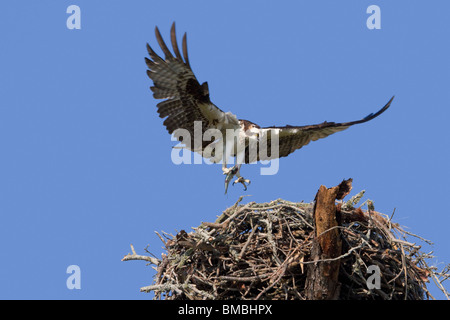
(261, 250)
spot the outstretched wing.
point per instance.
(186, 100)
(291, 138)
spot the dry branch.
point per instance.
(264, 251)
(322, 279)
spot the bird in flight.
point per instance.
(188, 111)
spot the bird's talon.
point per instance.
(244, 182)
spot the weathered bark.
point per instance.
(322, 280)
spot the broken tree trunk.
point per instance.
(322, 279)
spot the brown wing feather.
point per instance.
(174, 80)
(292, 138)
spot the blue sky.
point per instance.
(85, 167)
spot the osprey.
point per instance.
(187, 108)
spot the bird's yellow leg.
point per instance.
(240, 179)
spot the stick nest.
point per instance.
(262, 250)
